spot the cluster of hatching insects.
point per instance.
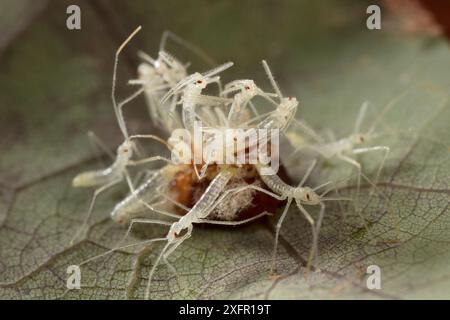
(211, 193)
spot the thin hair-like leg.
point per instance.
(152, 271)
(272, 79)
(172, 249)
(173, 201)
(150, 159)
(384, 149)
(356, 203)
(279, 223)
(216, 70)
(304, 127)
(253, 108)
(137, 266)
(308, 173)
(318, 226)
(146, 57)
(250, 186)
(391, 103)
(235, 223)
(357, 165)
(341, 208)
(127, 100)
(120, 248)
(162, 212)
(373, 184)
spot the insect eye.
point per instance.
(199, 81)
(247, 88)
(290, 98)
(308, 197)
(125, 150)
(361, 139)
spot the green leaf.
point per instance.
(56, 86)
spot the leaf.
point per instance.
(56, 85)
